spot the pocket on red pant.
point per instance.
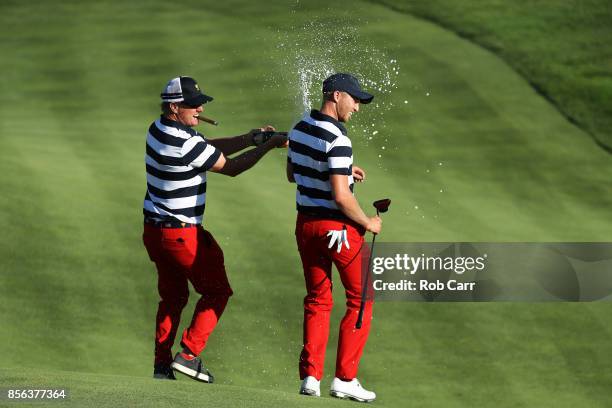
(178, 247)
(173, 243)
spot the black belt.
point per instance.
(167, 224)
(319, 216)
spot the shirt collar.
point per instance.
(317, 115)
(169, 122)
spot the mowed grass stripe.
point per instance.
(71, 169)
(79, 287)
(85, 176)
(505, 170)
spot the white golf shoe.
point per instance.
(351, 389)
(310, 386)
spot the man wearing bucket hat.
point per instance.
(320, 162)
(177, 159)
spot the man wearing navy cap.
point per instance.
(329, 230)
(177, 159)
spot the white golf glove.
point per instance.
(339, 236)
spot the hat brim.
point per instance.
(198, 100)
(363, 97)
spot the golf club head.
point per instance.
(382, 205)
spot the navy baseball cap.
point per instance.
(349, 84)
(184, 89)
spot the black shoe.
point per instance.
(192, 367)
(163, 372)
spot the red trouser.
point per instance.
(181, 255)
(312, 241)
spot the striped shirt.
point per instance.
(177, 159)
(318, 148)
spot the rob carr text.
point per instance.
(423, 285)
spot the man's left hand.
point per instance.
(359, 174)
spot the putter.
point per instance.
(208, 120)
(381, 206)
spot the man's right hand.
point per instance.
(280, 140)
(375, 224)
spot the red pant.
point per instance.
(312, 241)
(181, 255)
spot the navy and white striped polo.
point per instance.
(177, 159)
(318, 148)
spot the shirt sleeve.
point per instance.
(197, 153)
(340, 156)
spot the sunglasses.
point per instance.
(187, 106)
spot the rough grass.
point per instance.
(562, 48)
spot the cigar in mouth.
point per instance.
(208, 120)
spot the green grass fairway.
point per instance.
(96, 390)
(464, 147)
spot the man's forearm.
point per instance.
(350, 207)
(236, 165)
(231, 145)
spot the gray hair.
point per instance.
(165, 108)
